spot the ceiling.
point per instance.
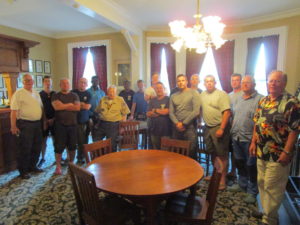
(64, 18)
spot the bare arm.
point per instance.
(133, 107)
(74, 107)
(13, 121)
(85, 106)
(286, 156)
(58, 105)
(162, 111)
(252, 148)
(225, 118)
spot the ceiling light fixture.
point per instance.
(201, 36)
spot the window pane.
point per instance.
(89, 70)
(260, 72)
(163, 72)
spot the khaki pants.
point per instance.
(272, 178)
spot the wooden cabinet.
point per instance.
(8, 145)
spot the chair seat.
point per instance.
(188, 208)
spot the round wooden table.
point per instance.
(147, 176)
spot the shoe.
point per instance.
(222, 187)
(236, 188)
(257, 214)
(36, 170)
(208, 178)
(250, 199)
(64, 162)
(231, 176)
(25, 176)
(58, 171)
(41, 162)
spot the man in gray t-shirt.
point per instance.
(216, 114)
(184, 109)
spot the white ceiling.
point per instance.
(60, 18)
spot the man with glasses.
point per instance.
(26, 114)
(277, 126)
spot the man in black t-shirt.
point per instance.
(46, 95)
(82, 117)
(127, 94)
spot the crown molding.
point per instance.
(84, 33)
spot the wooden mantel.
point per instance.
(14, 54)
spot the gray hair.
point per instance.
(251, 78)
(211, 76)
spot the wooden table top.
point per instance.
(145, 172)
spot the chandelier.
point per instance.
(201, 36)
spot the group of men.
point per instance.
(262, 129)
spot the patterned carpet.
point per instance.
(47, 199)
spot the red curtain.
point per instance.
(155, 51)
(100, 64)
(253, 49)
(194, 63)
(271, 52)
(224, 58)
(171, 65)
(79, 60)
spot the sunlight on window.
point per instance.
(89, 70)
(163, 72)
(209, 68)
(260, 72)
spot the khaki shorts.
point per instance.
(218, 146)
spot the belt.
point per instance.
(212, 126)
(103, 121)
(30, 121)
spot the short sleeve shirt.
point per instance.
(48, 108)
(213, 105)
(112, 110)
(27, 104)
(141, 104)
(128, 97)
(83, 114)
(159, 126)
(274, 119)
(67, 118)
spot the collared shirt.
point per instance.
(234, 96)
(213, 105)
(243, 113)
(28, 104)
(112, 110)
(274, 119)
(128, 97)
(96, 95)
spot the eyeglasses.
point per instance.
(274, 81)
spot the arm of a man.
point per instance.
(13, 121)
(225, 119)
(286, 156)
(172, 111)
(59, 106)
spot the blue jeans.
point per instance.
(246, 166)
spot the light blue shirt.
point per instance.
(96, 95)
(243, 113)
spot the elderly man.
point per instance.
(66, 105)
(112, 109)
(241, 134)
(216, 114)
(82, 117)
(158, 112)
(25, 118)
(277, 124)
(184, 109)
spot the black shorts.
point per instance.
(65, 137)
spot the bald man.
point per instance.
(277, 126)
(82, 117)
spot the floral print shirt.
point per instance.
(274, 119)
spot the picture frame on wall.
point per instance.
(19, 81)
(38, 66)
(30, 66)
(1, 82)
(47, 67)
(39, 81)
(123, 72)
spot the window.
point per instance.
(163, 72)
(260, 72)
(89, 70)
(209, 68)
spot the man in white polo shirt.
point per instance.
(25, 117)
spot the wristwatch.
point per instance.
(288, 153)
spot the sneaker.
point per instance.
(257, 214)
(250, 199)
(41, 162)
(58, 171)
(236, 188)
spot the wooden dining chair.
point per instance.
(97, 149)
(174, 145)
(192, 209)
(129, 135)
(202, 154)
(92, 210)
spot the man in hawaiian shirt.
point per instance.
(277, 125)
